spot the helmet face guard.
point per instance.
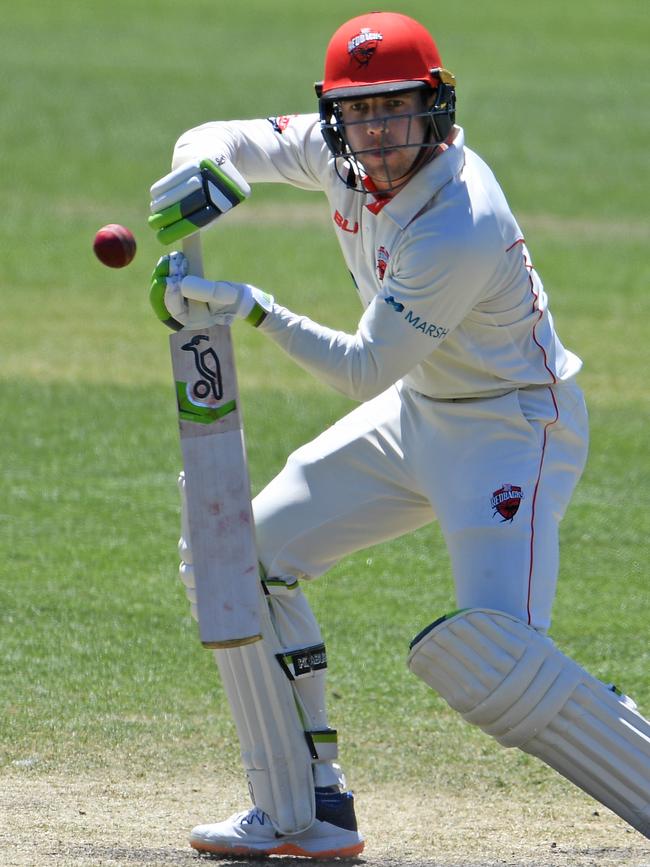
(439, 118)
(378, 54)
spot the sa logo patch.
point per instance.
(281, 122)
(506, 500)
(383, 257)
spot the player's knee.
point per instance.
(293, 618)
(278, 510)
(497, 671)
(270, 533)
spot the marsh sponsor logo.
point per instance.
(429, 329)
(397, 307)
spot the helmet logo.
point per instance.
(363, 46)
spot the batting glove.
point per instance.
(193, 197)
(172, 290)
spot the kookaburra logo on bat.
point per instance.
(208, 367)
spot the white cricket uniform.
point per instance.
(470, 412)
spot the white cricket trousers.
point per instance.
(496, 473)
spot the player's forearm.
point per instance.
(258, 151)
(348, 363)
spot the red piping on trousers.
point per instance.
(532, 512)
(529, 267)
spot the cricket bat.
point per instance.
(217, 483)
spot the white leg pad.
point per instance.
(274, 749)
(515, 684)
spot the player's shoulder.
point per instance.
(463, 223)
(473, 208)
(296, 125)
(478, 171)
(302, 133)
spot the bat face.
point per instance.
(208, 366)
(199, 379)
(217, 487)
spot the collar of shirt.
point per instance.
(426, 183)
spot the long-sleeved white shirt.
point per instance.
(453, 306)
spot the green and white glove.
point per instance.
(194, 196)
(172, 288)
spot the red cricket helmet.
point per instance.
(379, 52)
(373, 54)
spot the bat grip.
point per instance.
(194, 254)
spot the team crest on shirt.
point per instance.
(382, 262)
(281, 122)
(363, 46)
(506, 500)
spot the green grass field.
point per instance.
(100, 661)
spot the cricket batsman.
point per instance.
(469, 415)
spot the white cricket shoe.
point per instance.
(253, 833)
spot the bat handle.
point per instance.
(194, 253)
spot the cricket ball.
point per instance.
(114, 245)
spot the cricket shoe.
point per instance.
(333, 833)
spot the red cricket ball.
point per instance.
(114, 245)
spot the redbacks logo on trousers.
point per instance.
(506, 500)
(363, 46)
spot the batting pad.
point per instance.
(514, 683)
(279, 743)
(274, 750)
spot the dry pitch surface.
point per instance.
(113, 820)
